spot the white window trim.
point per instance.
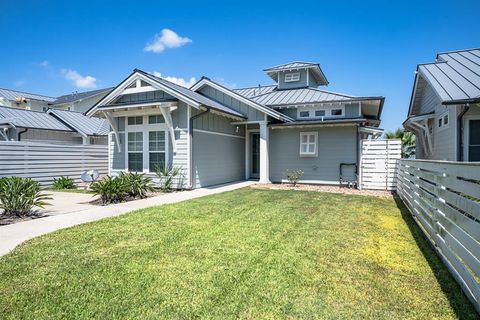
(328, 112)
(440, 118)
(309, 114)
(146, 128)
(466, 135)
(292, 77)
(309, 154)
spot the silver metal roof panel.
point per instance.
(11, 95)
(32, 119)
(81, 123)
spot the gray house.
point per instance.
(444, 110)
(217, 135)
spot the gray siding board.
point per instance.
(217, 123)
(217, 159)
(145, 97)
(351, 110)
(118, 158)
(429, 100)
(335, 145)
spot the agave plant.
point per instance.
(19, 196)
(167, 175)
(136, 184)
(110, 189)
(63, 183)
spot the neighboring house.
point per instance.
(55, 126)
(80, 101)
(217, 135)
(24, 100)
(444, 110)
(77, 101)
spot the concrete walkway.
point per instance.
(14, 234)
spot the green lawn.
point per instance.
(250, 253)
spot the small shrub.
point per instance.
(110, 190)
(167, 175)
(293, 176)
(63, 183)
(19, 196)
(137, 185)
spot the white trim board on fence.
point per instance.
(45, 161)
(444, 199)
(378, 164)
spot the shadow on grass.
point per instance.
(458, 300)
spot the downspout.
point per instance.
(19, 135)
(466, 107)
(191, 142)
(358, 161)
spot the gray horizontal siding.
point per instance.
(335, 145)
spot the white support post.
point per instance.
(114, 126)
(166, 112)
(264, 165)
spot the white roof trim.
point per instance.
(275, 114)
(137, 75)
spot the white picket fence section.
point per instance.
(444, 199)
(45, 161)
(378, 164)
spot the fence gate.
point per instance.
(378, 164)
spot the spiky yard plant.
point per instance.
(168, 174)
(20, 196)
(63, 183)
(110, 189)
(136, 184)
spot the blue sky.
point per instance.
(364, 47)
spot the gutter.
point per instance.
(191, 142)
(462, 101)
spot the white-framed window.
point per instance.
(135, 151)
(304, 114)
(292, 77)
(443, 121)
(319, 113)
(308, 144)
(157, 118)
(336, 112)
(156, 149)
(133, 121)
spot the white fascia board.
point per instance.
(266, 110)
(159, 86)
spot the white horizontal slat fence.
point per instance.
(45, 161)
(378, 164)
(444, 199)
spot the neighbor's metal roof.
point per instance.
(89, 126)
(76, 96)
(455, 75)
(11, 95)
(195, 96)
(32, 119)
(273, 97)
(320, 77)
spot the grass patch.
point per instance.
(78, 190)
(250, 253)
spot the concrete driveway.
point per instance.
(67, 202)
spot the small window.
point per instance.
(319, 113)
(292, 77)
(337, 112)
(304, 114)
(308, 144)
(445, 119)
(132, 121)
(155, 119)
(135, 151)
(440, 122)
(45, 109)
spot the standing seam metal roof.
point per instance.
(81, 123)
(32, 119)
(455, 75)
(11, 95)
(68, 98)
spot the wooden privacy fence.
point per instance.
(444, 199)
(378, 164)
(45, 161)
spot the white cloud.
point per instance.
(166, 39)
(187, 83)
(44, 63)
(78, 80)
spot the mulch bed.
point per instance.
(7, 219)
(324, 188)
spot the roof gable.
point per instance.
(89, 126)
(314, 68)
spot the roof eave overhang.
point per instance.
(462, 101)
(353, 122)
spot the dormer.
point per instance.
(297, 74)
